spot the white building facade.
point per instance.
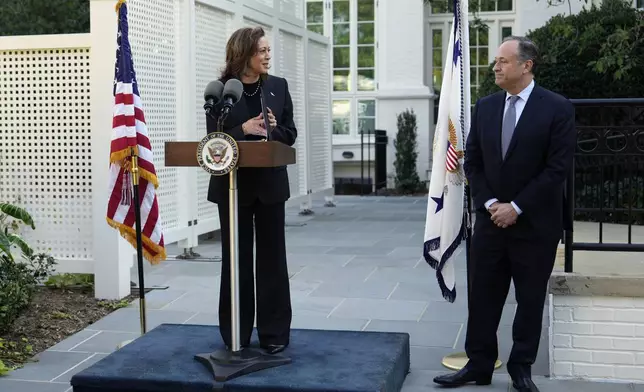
(388, 56)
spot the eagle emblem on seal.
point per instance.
(217, 152)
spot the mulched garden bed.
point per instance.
(53, 315)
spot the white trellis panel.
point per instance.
(291, 64)
(154, 47)
(294, 8)
(45, 146)
(211, 33)
(319, 121)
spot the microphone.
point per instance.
(232, 93)
(212, 95)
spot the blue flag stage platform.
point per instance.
(163, 360)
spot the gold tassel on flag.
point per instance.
(118, 4)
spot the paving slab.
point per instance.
(356, 267)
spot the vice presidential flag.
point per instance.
(445, 222)
(129, 132)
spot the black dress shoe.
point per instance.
(524, 384)
(273, 348)
(462, 377)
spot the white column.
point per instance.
(113, 256)
(401, 70)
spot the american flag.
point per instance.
(445, 222)
(129, 132)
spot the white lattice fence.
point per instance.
(45, 144)
(154, 47)
(291, 64)
(319, 119)
(211, 34)
(56, 115)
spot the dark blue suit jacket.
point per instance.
(538, 160)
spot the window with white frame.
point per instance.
(315, 16)
(366, 116)
(351, 27)
(479, 58)
(640, 4)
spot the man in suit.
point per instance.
(519, 151)
(262, 194)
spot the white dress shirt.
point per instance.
(519, 105)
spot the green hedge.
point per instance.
(598, 53)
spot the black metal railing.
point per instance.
(379, 140)
(606, 183)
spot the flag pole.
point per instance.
(139, 242)
(134, 171)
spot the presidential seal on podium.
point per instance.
(218, 153)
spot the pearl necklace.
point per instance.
(256, 90)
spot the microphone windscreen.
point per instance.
(233, 89)
(213, 90)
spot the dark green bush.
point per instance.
(18, 281)
(598, 53)
(406, 179)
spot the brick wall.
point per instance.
(597, 337)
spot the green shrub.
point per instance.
(406, 179)
(597, 53)
(18, 281)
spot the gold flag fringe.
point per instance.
(130, 235)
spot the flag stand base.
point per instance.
(458, 360)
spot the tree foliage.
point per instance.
(34, 17)
(598, 53)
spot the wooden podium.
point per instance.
(219, 154)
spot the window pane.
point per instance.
(488, 5)
(640, 3)
(316, 28)
(341, 11)
(341, 80)
(366, 80)
(366, 125)
(439, 6)
(367, 108)
(366, 10)
(483, 71)
(437, 58)
(482, 37)
(314, 12)
(437, 38)
(341, 116)
(506, 32)
(483, 59)
(437, 78)
(504, 5)
(341, 57)
(366, 33)
(366, 56)
(473, 58)
(341, 34)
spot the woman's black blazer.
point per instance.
(269, 185)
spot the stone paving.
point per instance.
(357, 266)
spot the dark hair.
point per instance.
(528, 50)
(241, 47)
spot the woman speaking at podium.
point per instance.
(262, 193)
